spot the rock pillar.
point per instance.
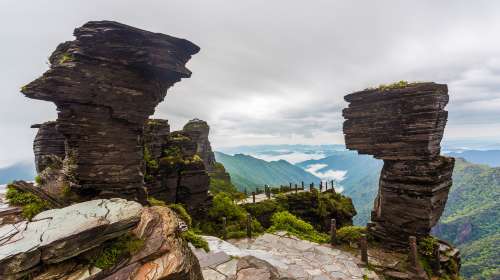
(403, 125)
(105, 84)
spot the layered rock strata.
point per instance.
(49, 143)
(198, 131)
(404, 127)
(175, 172)
(105, 84)
(76, 242)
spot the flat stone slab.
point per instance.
(214, 259)
(294, 258)
(59, 234)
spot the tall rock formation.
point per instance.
(403, 125)
(105, 84)
(198, 131)
(174, 168)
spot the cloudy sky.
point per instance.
(272, 72)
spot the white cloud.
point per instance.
(293, 157)
(272, 72)
(337, 175)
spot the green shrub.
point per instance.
(65, 57)
(219, 168)
(224, 206)
(395, 85)
(156, 202)
(197, 241)
(263, 211)
(150, 162)
(287, 222)
(173, 157)
(181, 211)
(116, 250)
(236, 218)
(427, 245)
(38, 180)
(350, 234)
(318, 208)
(30, 203)
(218, 185)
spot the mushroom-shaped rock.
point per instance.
(105, 84)
(403, 125)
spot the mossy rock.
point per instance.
(284, 221)
(116, 250)
(156, 202)
(223, 205)
(319, 208)
(196, 240)
(182, 212)
(30, 203)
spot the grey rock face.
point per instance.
(105, 84)
(404, 127)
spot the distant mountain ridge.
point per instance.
(249, 172)
(361, 179)
(17, 171)
(489, 157)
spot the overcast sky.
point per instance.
(272, 71)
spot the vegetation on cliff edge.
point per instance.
(30, 203)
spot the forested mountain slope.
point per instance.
(249, 172)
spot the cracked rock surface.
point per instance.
(60, 234)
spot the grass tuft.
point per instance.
(30, 203)
(118, 249)
(287, 222)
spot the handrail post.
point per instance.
(249, 226)
(363, 244)
(333, 231)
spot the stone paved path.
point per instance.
(292, 257)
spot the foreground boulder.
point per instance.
(105, 84)
(60, 234)
(98, 239)
(403, 124)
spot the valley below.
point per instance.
(471, 219)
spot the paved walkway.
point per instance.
(292, 257)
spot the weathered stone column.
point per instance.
(403, 125)
(198, 131)
(105, 84)
(49, 143)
